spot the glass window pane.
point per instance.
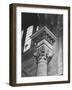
(28, 39)
(29, 30)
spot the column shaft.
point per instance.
(42, 67)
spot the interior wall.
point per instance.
(60, 52)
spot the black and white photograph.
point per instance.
(40, 49)
(42, 44)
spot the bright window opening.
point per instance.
(28, 39)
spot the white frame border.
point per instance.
(64, 77)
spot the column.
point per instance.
(41, 57)
(42, 66)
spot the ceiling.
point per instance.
(53, 21)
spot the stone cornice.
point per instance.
(41, 30)
(44, 33)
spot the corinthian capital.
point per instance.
(43, 53)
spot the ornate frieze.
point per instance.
(44, 33)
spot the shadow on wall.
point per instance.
(55, 66)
